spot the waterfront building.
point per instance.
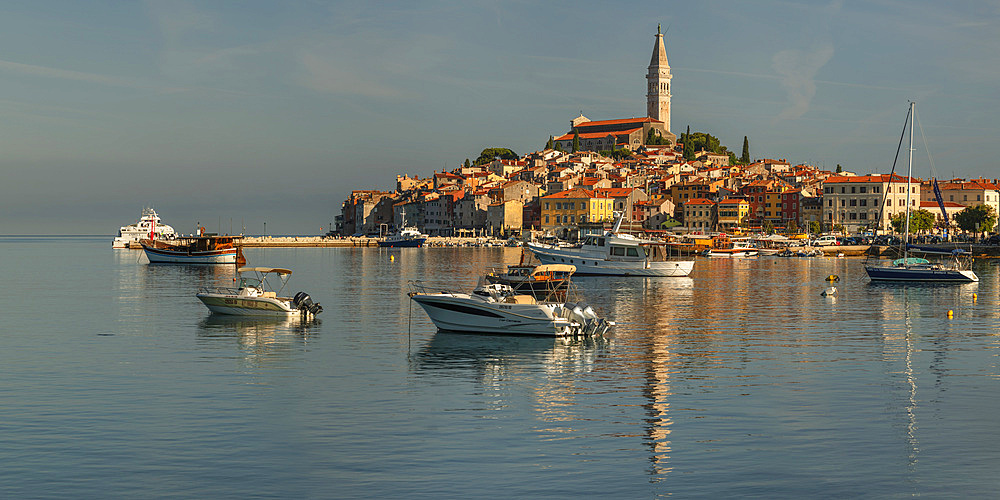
(505, 218)
(733, 213)
(699, 215)
(854, 201)
(573, 207)
(965, 193)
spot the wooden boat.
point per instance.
(203, 249)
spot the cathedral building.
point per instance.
(629, 132)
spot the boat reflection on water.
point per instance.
(259, 335)
(484, 353)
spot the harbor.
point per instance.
(741, 371)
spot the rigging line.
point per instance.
(885, 195)
(926, 148)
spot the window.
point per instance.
(854, 203)
(854, 216)
(951, 197)
(863, 216)
(864, 203)
(843, 203)
(632, 252)
(843, 189)
(617, 251)
(572, 218)
(854, 189)
(829, 203)
(864, 189)
(558, 206)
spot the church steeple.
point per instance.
(658, 83)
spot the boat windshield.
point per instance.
(249, 282)
(910, 261)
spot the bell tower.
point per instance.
(658, 83)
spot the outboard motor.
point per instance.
(303, 302)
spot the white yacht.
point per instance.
(614, 253)
(129, 236)
(496, 308)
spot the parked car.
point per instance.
(826, 240)
(993, 239)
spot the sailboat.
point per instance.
(913, 269)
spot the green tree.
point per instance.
(791, 227)
(576, 141)
(838, 228)
(815, 227)
(489, 155)
(548, 145)
(839, 168)
(920, 220)
(745, 158)
(980, 218)
(767, 227)
(467, 165)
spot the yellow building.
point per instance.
(574, 206)
(733, 213)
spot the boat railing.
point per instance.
(415, 287)
(224, 290)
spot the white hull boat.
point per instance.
(255, 298)
(615, 254)
(495, 308)
(149, 223)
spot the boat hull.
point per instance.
(905, 274)
(247, 306)
(412, 243)
(162, 256)
(452, 312)
(733, 253)
(599, 266)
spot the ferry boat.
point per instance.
(616, 254)
(201, 249)
(148, 223)
(256, 297)
(406, 237)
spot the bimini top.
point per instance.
(264, 270)
(555, 268)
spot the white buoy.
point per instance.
(830, 291)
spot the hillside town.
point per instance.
(657, 181)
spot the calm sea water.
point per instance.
(738, 381)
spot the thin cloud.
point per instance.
(797, 72)
(64, 74)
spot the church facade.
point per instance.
(629, 132)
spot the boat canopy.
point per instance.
(555, 268)
(264, 270)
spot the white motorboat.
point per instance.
(255, 296)
(495, 308)
(911, 269)
(149, 222)
(614, 253)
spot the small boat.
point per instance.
(615, 254)
(202, 249)
(406, 238)
(723, 246)
(496, 308)
(542, 282)
(255, 296)
(912, 269)
(147, 225)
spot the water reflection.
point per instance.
(259, 340)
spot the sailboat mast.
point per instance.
(909, 174)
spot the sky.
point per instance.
(241, 114)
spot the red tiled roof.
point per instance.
(699, 201)
(572, 193)
(601, 123)
(934, 204)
